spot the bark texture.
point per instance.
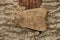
(30, 4)
(8, 31)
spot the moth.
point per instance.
(30, 4)
(33, 18)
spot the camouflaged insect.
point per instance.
(33, 18)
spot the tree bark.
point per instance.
(8, 31)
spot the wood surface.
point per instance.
(29, 4)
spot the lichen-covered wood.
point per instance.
(29, 4)
(33, 19)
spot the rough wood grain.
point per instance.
(29, 4)
(33, 18)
